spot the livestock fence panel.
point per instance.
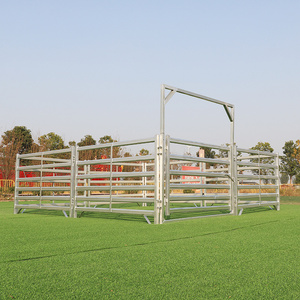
(113, 184)
(44, 180)
(92, 179)
(258, 182)
(195, 183)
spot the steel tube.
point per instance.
(198, 186)
(193, 197)
(197, 173)
(114, 198)
(257, 152)
(118, 211)
(44, 189)
(117, 188)
(116, 160)
(46, 179)
(199, 159)
(196, 144)
(51, 152)
(117, 144)
(117, 175)
(181, 91)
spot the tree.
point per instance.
(19, 135)
(87, 154)
(263, 146)
(106, 151)
(8, 158)
(17, 140)
(289, 163)
(87, 141)
(51, 141)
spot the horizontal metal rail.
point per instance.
(44, 189)
(115, 182)
(244, 176)
(199, 159)
(115, 199)
(196, 144)
(117, 210)
(43, 206)
(197, 173)
(115, 160)
(117, 144)
(46, 179)
(201, 208)
(245, 187)
(47, 166)
(257, 165)
(44, 198)
(198, 186)
(116, 175)
(45, 159)
(53, 171)
(117, 188)
(256, 195)
(257, 152)
(51, 152)
(189, 197)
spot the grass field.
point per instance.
(44, 255)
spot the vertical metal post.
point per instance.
(89, 181)
(159, 181)
(110, 178)
(161, 157)
(259, 175)
(162, 109)
(75, 180)
(235, 181)
(167, 165)
(16, 201)
(41, 179)
(85, 184)
(233, 163)
(277, 182)
(156, 180)
(144, 182)
(73, 212)
(230, 156)
(162, 176)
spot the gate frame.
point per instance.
(229, 109)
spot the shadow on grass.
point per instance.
(140, 218)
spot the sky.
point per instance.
(95, 67)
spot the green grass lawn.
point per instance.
(44, 255)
